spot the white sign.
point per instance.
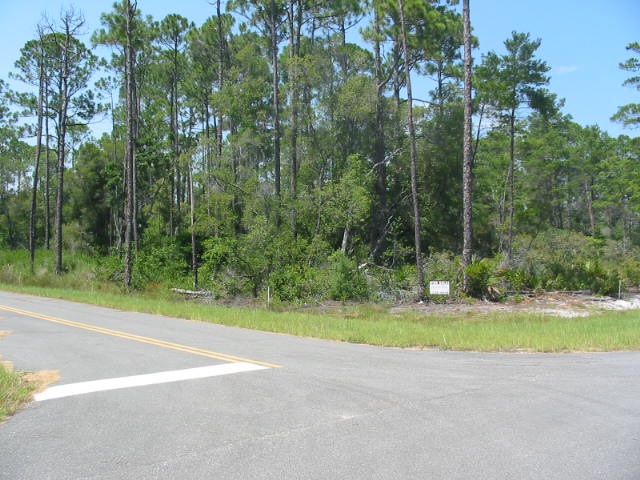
(439, 287)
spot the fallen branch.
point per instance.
(192, 293)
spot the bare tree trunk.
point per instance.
(345, 239)
(381, 217)
(130, 147)
(397, 78)
(412, 144)
(175, 180)
(192, 217)
(47, 179)
(295, 19)
(114, 230)
(293, 101)
(57, 236)
(134, 182)
(276, 102)
(589, 195)
(36, 172)
(220, 80)
(510, 183)
(467, 169)
(62, 134)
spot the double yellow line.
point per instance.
(139, 338)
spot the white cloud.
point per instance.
(564, 69)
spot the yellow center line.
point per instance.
(139, 338)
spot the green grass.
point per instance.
(14, 392)
(605, 331)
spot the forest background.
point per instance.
(262, 151)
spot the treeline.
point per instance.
(265, 150)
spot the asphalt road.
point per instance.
(239, 404)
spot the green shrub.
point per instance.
(625, 262)
(393, 284)
(160, 265)
(479, 273)
(347, 281)
(516, 279)
(110, 268)
(564, 260)
(226, 283)
(443, 266)
(296, 282)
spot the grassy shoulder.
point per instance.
(15, 391)
(376, 325)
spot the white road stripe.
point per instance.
(61, 391)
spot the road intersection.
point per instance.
(151, 397)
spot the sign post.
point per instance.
(439, 287)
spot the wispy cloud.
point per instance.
(564, 69)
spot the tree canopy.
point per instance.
(263, 151)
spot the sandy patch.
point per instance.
(556, 303)
(38, 380)
(41, 380)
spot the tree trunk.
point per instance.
(220, 82)
(47, 180)
(62, 134)
(382, 211)
(114, 217)
(295, 19)
(36, 172)
(510, 183)
(57, 236)
(192, 217)
(467, 169)
(412, 144)
(345, 239)
(589, 196)
(397, 78)
(276, 103)
(135, 115)
(293, 99)
(175, 137)
(130, 146)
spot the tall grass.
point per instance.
(14, 391)
(81, 272)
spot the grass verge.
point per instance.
(15, 391)
(504, 331)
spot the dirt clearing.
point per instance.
(555, 303)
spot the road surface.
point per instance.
(150, 397)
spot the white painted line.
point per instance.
(61, 391)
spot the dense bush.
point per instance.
(294, 283)
(625, 261)
(297, 271)
(479, 272)
(393, 284)
(564, 260)
(347, 281)
(443, 266)
(163, 265)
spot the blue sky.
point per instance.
(583, 41)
